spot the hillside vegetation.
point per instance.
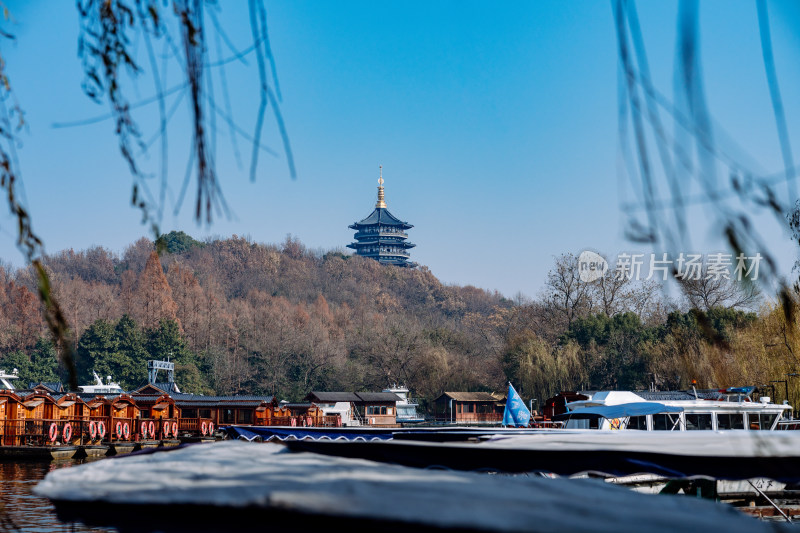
(241, 317)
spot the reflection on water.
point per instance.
(21, 509)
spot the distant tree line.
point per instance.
(240, 317)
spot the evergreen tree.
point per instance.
(20, 361)
(131, 344)
(176, 242)
(94, 348)
(44, 362)
(99, 350)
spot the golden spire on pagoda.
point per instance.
(381, 201)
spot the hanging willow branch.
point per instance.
(107, 43)
(690, 156)
(108, 33)
(12, 119)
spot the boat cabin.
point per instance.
(115, 417)
(303, 414)
(406, 406)
(49, 387)
(215, 411)
(558, 404)
(11, 418)
(728, 409)
(70, 407)
(159, 415)
(6, 379)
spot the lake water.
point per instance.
(21, 509)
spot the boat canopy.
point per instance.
(619, 411)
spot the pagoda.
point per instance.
(381, 236)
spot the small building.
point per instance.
(469, 407)
(366, 408)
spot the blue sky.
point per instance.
(495, 123)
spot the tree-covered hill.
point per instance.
(237, 316)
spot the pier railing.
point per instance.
(467, 418)
(196, 426)
(305, 421)
(45, 432)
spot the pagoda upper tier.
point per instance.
(381, 236)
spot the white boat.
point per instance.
(5, 378)
(725, 409)
(101, 388)
(406, 407)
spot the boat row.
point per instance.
(101, 419)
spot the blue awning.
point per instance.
(314, 433)
(620, 411)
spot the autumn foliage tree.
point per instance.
(152, 300)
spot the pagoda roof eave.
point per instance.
(382, 216)
(381, 243)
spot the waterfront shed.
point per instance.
(469, 407)
(378, 408)
(370, 408)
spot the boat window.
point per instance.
(698, 421)
(188, 413)
(730, 420)
(245, 416)
(205, 413)
(575, 423)
(762, 421)
(667, 422)
(583, 423)
(637, 422)
(229, 416)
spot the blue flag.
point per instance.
(516, 414)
